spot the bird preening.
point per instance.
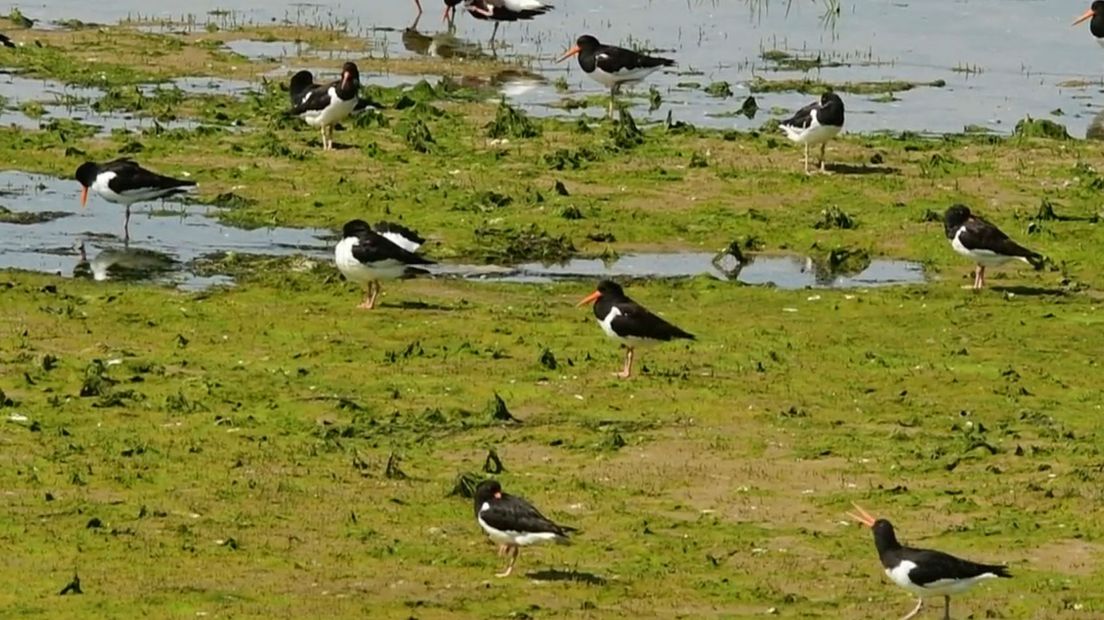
(325, 105)
(984, 243)
(368, 256)
(512, 522)
(924, 572)
(815, 125)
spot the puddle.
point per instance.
(205, 86)
(786, 272)
(56, 101)
(165, 238)
(266, 50)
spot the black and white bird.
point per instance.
(612, 66)
(984, 243)
(5, 41)
(123, 181)
(369, 256)
(499, 11)
(513, 523)
(1096, 26)
(628, 322)
(816, 124)
(325, 105)
(924, 572)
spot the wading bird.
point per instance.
(513, 523)
(325, 105)
(1096, 26)
(499, 11)
(984, 243)
(628, 322)
(924, 572)
(368, 256)
(123, 181)
(816, 124)
(612, 66)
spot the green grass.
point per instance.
(226, 453)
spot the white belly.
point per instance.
(621, 77)
(942, 587)
(334, 113)
(812, 135)
(986, 258)
(517, 539)
(357, 271)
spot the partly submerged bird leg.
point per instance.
(946, 608)
(126, 226)
(494, 33)
(510, 566)
(919, 606)
(626, 372)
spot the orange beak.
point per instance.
(344, 80)
(1088, 15)
(571, 52)
(863, 517)
(593, 297)
(84, 196)
(498, 495)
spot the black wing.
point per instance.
(803, 117)
(613, 59)
(514, 514)
(5, 41)
(931, 566)
(317, 98)
(637, 321)
(374, 248)
(978, 234)
(129, 176)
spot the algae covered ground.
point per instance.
(268, 450)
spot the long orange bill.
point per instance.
(863, 517)
(84, 196)
(571, 52)
(344, 80)
(1088, 15)
(593, 297)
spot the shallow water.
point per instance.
(178, 233)
(787, 272)
(1001, 59)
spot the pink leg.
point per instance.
(626, 372)
(370, 299)
(510, 566)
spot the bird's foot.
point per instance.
(624, 374)
(367, 305)
(505, 573)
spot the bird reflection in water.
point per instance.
(123, 263)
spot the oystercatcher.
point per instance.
(1096, 26)
(387, 253)
(499, 11)
(513, 523)
(613, 66)
(627, 321)
(922, 571)
(5, 41)
(984, 243)
(816, 123)
(123, 181)
(325, 105)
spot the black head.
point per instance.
(350, 76)
(1097, 7)
(486, 491)
(607, 291)
(884, 536)
(87, 172)
(588, 42)
(355, 228)
(610, 288)
(956, 216)
(831, 98)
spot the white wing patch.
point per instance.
(409, 245)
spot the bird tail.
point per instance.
(301, 82)
(793, 133)
(1000, 571)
